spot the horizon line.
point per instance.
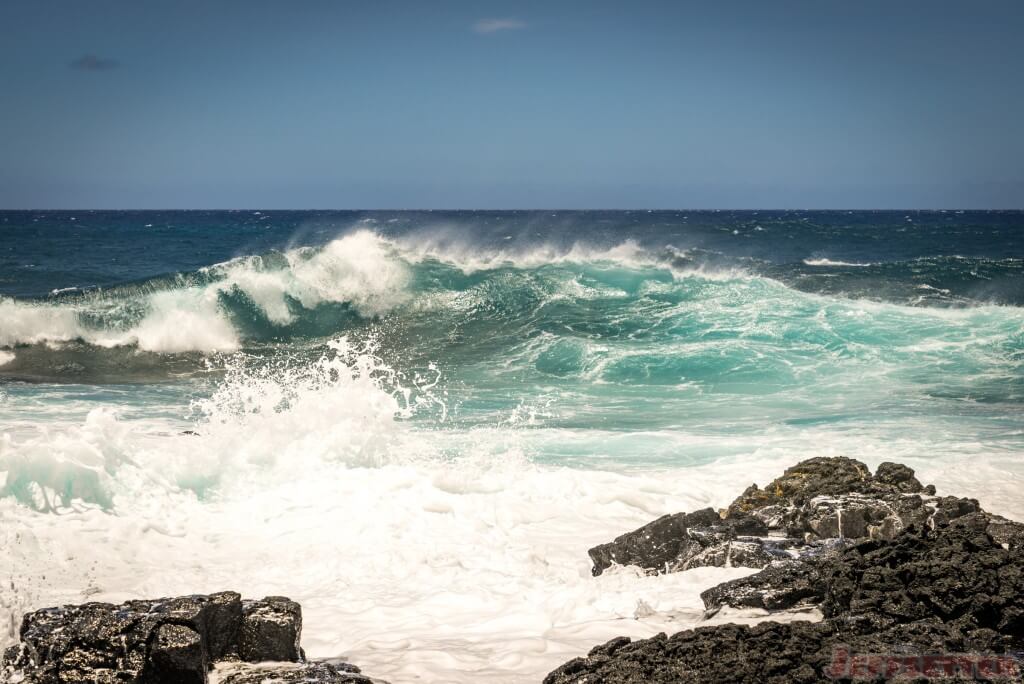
(531, 209)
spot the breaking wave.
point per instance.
(417, 436)
(554, 307)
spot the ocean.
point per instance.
(416, 423)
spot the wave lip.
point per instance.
(303, 291)
(175, 321)
(315, 293)
(210, 310)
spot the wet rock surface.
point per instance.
(814, 505)
(270, 630)
(797, 653)
(175, 640)
(780, 586)
(176, 655)
(685, 540)
(303, 673)
(905, 580)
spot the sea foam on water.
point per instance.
(418, 437)
(417, 552)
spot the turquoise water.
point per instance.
(417, 423)
(719, 326)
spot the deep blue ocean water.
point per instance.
(975, 254)
(416, 423)
(635, 320)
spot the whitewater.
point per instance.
(416, 425)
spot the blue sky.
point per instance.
(382, 104)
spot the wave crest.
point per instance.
(209, 311)
(316, 293)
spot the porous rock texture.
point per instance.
(301, 673)
(910, 585)
(818, 504)
(162, 641)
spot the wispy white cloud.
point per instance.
(94, 63)
(495, 25)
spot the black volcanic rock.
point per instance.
(928, 592)
(957, 573)
(791, 653)
(684, 540)
(808, 479)
(780, 586)
(654, 546)
(176, 656)
(904, 579)
(817, 501)
(164, 641)
(215, 618)
(899, 476)
(303, 673)
(81, 643)
(271, 630)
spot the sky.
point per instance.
(480, 104)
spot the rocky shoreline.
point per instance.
(909, 585)
(912, 586)
(170, 641)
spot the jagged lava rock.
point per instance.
(271, 630)
(101, 641)
(302, 673)
(956, 573)
(176, 656)
(825, 476)
(770, 652)
(680, 541)
(817, 500)
(953, 589)
(822, 498)
(899, 476)
(893, 568)
(780, 586)
(152, 641)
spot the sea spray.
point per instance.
(417, 423)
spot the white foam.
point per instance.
(451, 247)
(420, 552)
(361, 269)
(6, 357)
(178, 320)
(310, 482)
(30, 324)
(830, 262)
